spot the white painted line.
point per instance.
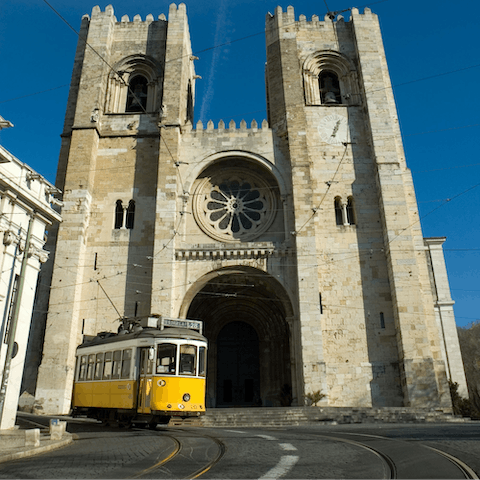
(235, 431)
(284, 466)
(287, 446)
(266, 437)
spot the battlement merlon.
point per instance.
(231, 129)
(281, 23)
(109, 12)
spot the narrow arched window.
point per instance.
(137, 94)
(118, 214)
(329, 88)
(189, 103)
(130, 215)
(350, 212)
(338, 211)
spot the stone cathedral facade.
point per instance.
(297, 241)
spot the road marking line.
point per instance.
(266, 437)
(235, 431)
(285, 464)
(287, 446)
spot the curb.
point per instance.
(35, 450)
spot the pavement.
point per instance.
(13, 442)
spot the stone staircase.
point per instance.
(276, 417)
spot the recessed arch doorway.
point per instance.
(238, 365)
(246, 315)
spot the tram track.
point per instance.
(390, 470)
(466, 470)
(176, 454)
(390, 463)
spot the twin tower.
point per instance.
(297, 242)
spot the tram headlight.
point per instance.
(186, 397)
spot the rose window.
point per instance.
(235, 207)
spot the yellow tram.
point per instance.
(148, 372)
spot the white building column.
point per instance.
(444, 314)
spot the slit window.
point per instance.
(350, 212)
(382, 320)
(130, 215)
(118, 214)
(338, 211)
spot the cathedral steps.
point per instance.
(256, 417)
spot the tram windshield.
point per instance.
(188, 355)
(166, 355)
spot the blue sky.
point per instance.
(434, 61)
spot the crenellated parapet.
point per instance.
(222, 128)
(287, 19)
(137, 19)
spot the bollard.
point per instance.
(32, 437)
(57, 429)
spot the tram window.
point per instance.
(127, 357)
(166, 355)
(91, 364)
(83, 368)
(202, 361)
(98, 366)
(117, 363)
(187, 359)
(107, 366)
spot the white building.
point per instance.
(24, 195)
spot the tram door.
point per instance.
(147, 356)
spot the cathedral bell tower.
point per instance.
(131, 93)
(331, 104)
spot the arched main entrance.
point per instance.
(238, 366)
(245, 313)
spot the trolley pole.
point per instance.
(14, 321)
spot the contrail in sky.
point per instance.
(208, 95)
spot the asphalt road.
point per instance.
(340, 451)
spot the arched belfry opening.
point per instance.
(245, 313)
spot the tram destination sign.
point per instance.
(181, 323)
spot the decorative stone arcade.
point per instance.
(245, 320)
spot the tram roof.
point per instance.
(168, 332)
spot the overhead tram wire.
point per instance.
(175, 231)
(448, 200)
(193, 53)
(119, 75)
(367, 252)
(176, 163)
(318, 145)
